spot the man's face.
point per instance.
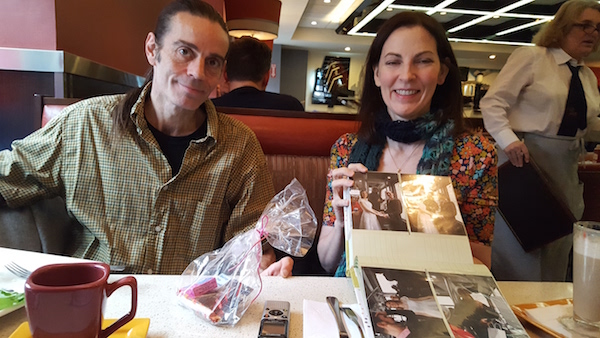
(188, 63)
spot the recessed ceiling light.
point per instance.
(326, 1)
(347, 49)
(496, 16)
(389, 9)
(492, 56)
(314, 23)
(443, 13)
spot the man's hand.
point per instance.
(269, 267)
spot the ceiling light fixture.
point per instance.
(486, 17)
(441, 5)
(326, 1)
(371, 15)
(340, 11)
(389, 9)
(261, 20)
(521, 27)
(492, 42)
(314, 23)
(443, 13)
(474, 12)
(492, 56)
(347, 49)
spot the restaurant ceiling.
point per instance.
(312, 25)
(511, 22)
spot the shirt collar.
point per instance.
(212, 118)
(561, 57)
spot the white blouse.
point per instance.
(530, 94)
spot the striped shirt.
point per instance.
(133, 210)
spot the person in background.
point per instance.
(394, 211)
(247, 73)
(156, 177)
(531, 111)
(412, 122)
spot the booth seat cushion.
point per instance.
(44, 226)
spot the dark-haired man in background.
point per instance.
(247, 72)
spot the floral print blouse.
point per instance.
(474, 175)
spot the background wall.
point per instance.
(293, 73)
(275, 82)
(110, 32)
(28, 24)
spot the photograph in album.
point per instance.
(376, 202)
(413, 203)
(404, 303)
(411, 264)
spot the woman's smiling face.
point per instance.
(408, 72)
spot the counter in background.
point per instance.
(25, 72)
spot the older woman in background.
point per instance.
(411, 122)
(530, 110)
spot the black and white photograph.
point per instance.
(401, 304)
(376, 204)
(474, 307)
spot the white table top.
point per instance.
(157, 300)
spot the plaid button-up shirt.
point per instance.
(122, 191)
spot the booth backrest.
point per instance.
(50, 107)
(296, 144)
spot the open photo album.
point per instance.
(408, 254)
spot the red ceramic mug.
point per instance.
(67, 300)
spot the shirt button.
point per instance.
(157, 228)
(149, 271)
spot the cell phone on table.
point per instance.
(275, 320)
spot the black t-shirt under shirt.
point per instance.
(174, 147)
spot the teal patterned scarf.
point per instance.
(437, 152)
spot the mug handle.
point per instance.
(110, 288)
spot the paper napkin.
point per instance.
(549, 315)
(319, 322)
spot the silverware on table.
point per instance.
(353, 317)
(17, 270)
(334, 304)
(20, 271)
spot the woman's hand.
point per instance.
(270, 267)
(482, 254)
(341, 180)
(331, 240)
(517, 152)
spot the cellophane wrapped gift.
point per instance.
(220, 285)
